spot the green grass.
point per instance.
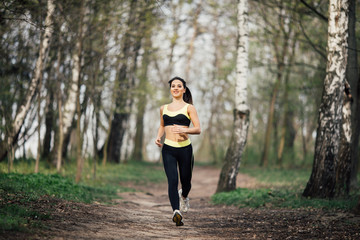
(20, 194)
(21, 191)
(33, 186)
(279, 178)
(280, 188)
(137, 172)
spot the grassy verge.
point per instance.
(281, 189)
(22, 192)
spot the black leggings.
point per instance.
(172, 157)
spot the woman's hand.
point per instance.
(178, 129)
(158, 142)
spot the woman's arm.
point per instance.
(161, 129)
(195, 121)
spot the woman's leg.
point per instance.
(170, 166)
(186, 163)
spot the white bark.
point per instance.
(242, 58)
(346, 123)
(337, 44)
(336, 62)
(59, 102)
(43, 52)
(70, 104)
(229, 171)
(323, 178)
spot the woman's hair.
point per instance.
(187, 95)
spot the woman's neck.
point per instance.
(178, 101)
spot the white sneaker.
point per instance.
(187, 204)
(184, 204)
(177, 218)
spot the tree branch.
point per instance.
(314, 10)
(311, 43)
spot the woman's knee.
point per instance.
(172, 181)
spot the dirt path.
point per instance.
(146, 214)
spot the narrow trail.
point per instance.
(146, 214)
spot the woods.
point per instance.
(276, 84)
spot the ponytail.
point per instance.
(187, 97)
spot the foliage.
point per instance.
(280, 188)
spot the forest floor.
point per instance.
(146, 214)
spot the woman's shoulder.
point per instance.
(163, 106)
(190, 107)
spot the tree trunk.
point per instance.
(11, 158)
(96, 135)
(79, 156)
(108, 134)
(36, 170)
(124, 84)
(343, 164)
(269, 125)
(60, 135)
(287, 127)
(61, 132)
(229, 171)
(322, 181)
(49, 121)
(303, 141)
(70, 104)
(76, 71)
(23, 110)
(139, 135)
(147, 28)
(353, 77)
(357, 209)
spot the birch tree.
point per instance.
(227, 180)
(323, 180)
(77, 80)
(23, 110)
(69, 108)
(59, 103)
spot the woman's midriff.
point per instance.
(176, 137)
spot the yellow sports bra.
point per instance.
(179, 117)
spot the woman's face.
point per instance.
(177, 89)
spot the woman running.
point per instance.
(177, 151)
